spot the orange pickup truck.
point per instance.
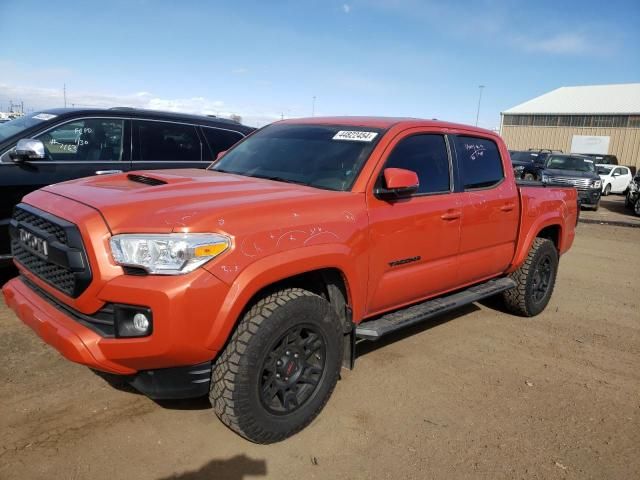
(252, 280)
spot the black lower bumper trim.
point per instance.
(173, 383)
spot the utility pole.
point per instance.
(313, 106)
(64, 91)
(481, 87)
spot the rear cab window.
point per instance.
(479, 162)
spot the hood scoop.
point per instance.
(146, 179)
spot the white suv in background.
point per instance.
(615, 179)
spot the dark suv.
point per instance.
(576, 170)
(61, 144)
(526, 163)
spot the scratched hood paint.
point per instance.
(191, 199)
(262, 217)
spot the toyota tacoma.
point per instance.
(252, 280)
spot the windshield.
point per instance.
(322, 156)
(17, 125)
(604, 170)
(562, 162)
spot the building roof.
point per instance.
(621, 99)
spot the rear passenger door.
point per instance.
(160, 144)
(490, 209)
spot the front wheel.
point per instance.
(280, 366)
(535, 280)
(607, 190)
(529, 177)
(636, 207)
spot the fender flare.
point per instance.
(549, 220)
(274, 268)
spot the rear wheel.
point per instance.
(636, 207)
(535, 280)
(280, 366)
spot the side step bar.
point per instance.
(390, 322)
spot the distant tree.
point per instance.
(236, 118)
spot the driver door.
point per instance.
(414, 240)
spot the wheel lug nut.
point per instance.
(287, 352)
(295, 355)
(286, 378)
(279, 363)
(277, 375)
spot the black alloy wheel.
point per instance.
(293, 370)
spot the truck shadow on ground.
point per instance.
(235, 468)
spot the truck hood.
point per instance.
(161, 201)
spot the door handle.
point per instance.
(507, 207)
(107, 172)
(451, 215)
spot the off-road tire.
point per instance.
(607, 190)
(520, 299)
(530, 177)
(238, 372)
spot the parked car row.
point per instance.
(63, 144)
(593, 175)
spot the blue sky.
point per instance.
(264, 59)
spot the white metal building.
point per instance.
(588, 119)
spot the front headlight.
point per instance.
(167, 254)
(518, 168)
(596, 184)
(545, 178)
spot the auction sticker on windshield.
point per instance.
(355, 136)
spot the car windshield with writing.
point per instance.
(13, 127)
(565, 162)
(321, 156)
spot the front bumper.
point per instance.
(589, 197)
(184, 308)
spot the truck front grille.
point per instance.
(51, 248)
(575, 182)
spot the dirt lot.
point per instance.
(477, 394)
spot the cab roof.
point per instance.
(381, 122)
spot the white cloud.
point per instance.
(564, 43)
(36, 98)
(346, 8)
(240, 70)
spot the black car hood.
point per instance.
(571, 173)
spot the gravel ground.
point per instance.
(475, 394)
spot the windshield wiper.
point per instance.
(275, 178)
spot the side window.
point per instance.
(163, 141)
(479, 162)
(91, 140)
(427, 156)
(619, 171)
(220, 140)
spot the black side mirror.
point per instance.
(28, 149)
